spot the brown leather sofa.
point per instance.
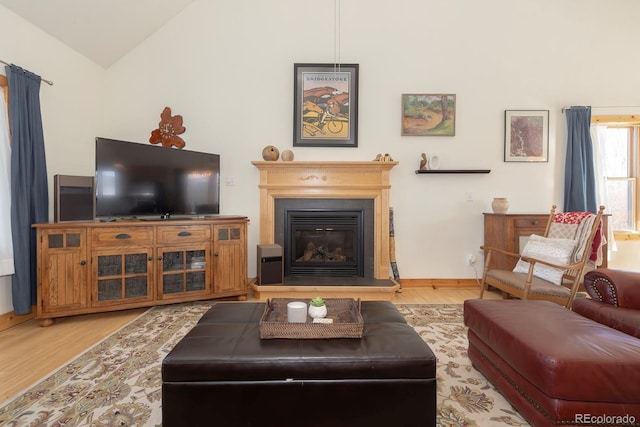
(562, 367)
(615, 299)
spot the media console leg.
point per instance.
(47, 322)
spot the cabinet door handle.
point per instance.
(215, 254)
(83, 262)
(150, 259)
(184, 234)
(159, 258)
(123, 236)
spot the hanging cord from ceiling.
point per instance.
(49, 82)
(336, 37)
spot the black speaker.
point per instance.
(270, 266)
(73, 198)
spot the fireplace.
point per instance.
(326, 237)
(316, 187)
(321, 243)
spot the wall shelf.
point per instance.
(454, 171)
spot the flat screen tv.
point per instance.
(139, 180)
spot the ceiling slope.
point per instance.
(103, 31)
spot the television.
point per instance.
(137, 180)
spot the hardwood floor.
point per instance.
(29, 352)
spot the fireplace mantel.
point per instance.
(329, 179)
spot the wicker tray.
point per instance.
(345, 312)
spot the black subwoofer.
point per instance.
(270, 266)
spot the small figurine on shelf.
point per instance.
(423, 162)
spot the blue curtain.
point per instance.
(579, 174)
(29, 187)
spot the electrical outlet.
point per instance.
(471, 259)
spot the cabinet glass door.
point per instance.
(122, 277)
(183, 271)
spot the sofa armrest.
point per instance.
(619, 288)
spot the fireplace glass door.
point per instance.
(324, 243)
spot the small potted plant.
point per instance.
(317, 308)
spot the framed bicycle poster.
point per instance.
(325, 112)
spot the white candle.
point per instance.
(297, 312)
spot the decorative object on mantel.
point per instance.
(287, 155)
(270, 153)
(423, 162)
(500, 205)
(168, 130)
(383, 158)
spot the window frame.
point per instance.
(633, 124)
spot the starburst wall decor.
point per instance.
(168, 130)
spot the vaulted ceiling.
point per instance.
(103, 31)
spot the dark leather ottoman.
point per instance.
(222, 373)
(553, 365)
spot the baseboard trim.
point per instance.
(440, 283)
(427, 283)
(9, 320)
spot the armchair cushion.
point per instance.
(556, 251)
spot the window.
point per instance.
(620, 141)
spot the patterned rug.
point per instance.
(118, 381)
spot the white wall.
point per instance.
(227, 68)
(72, 109)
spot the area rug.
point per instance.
(118, 381)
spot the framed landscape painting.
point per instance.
(325, 111)
(428, 115)
(526, 136)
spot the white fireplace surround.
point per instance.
(327, 179)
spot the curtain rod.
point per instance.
(609, 106)
(49, 82)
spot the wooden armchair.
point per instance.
(550, 267)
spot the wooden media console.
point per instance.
(93, 266)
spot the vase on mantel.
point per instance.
(500, 205)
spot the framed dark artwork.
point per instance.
(428, 114)
(526, 136)
(325, 109)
